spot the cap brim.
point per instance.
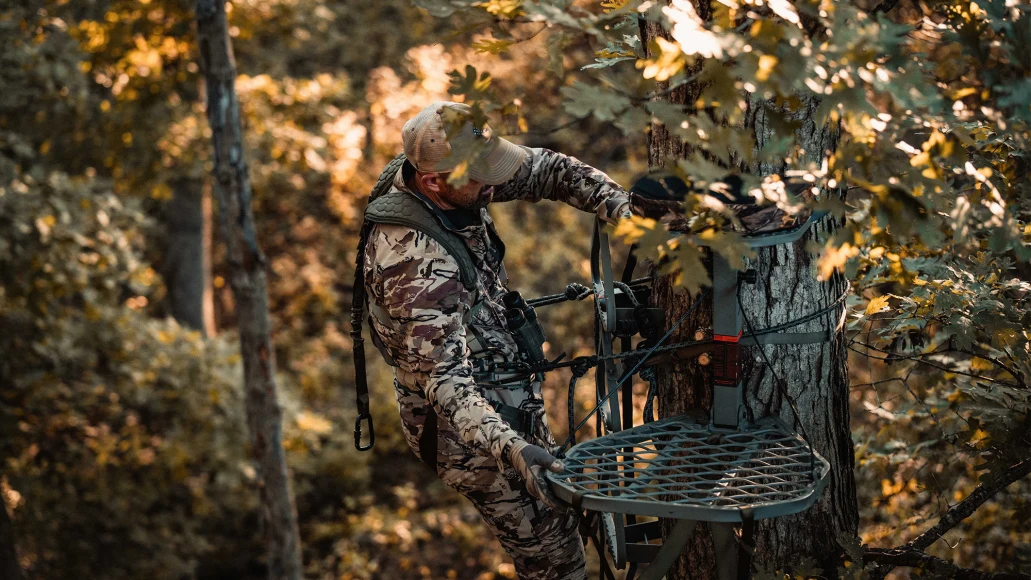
(499, 165)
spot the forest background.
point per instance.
(123, 447)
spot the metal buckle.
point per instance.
(358, 432)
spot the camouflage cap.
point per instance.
(442, 135)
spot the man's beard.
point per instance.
(483, 197)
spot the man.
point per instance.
(447, 332)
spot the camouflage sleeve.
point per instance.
(417, 284)
(546, 174)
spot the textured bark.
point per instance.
(9, 567)
(816, 375)
(247, 280)
(183, 267)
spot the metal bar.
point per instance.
(726, 550)
(643, 553)
(671, 549)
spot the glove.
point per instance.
(531, 461)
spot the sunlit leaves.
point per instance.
(492, 45)
(668, 62)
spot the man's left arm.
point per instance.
(546, 174)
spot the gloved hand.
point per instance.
(531, 461)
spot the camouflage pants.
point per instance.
(543, 543)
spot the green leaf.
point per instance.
(582, 100)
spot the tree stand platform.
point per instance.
(677, 468)
(728, 471)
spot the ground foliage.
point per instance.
(131, 428)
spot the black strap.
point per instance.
(518, 419)
(589, 527)
(744, 563)
(428, 440)
(361, 383)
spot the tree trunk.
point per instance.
(184, 263)
(10, 569)
(816, 376)
(248, 283)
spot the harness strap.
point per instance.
(590, 528)
(361, 383)
(744, 563)
(428, 440)
(358, 299)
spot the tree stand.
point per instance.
(727, 471)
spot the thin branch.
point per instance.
(553, 129)
(963, 509)
(943, 568)
(917, 358)
(884, 7)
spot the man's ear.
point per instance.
(430, 182)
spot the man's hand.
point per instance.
(531, 461)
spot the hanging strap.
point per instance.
(590, 528)
(361, 382)
(744, 562)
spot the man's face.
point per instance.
(473, 195)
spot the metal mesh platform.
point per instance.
(677, 468)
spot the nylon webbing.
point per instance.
(361, 383)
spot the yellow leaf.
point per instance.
(318, 424)
(877, 304)
(834, 259)
(979, 364)
(766, 64)
(979, 438)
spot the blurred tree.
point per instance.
(10, 569)
(186, 266)
(248, 281)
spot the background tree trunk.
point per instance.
(816, 376)
(10, 569)
(248, 282)
(186, 266)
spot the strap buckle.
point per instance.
(358, 432)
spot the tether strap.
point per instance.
(589, 528)
(744, 563)
(428, 440)
(361, 383)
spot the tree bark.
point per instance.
(816, 376)
(184, 263)
(247, 280)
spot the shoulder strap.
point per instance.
(386, 179)
(403, 209)
(397, 208)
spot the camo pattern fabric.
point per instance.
(545, 174)
(429, 325)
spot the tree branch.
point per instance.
(917, 559)
(884, 7)
(963, 509)
(553, 129)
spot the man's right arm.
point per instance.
(417, 283)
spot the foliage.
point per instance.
(912, 126)
(130, 427)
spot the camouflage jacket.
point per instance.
(432, 326)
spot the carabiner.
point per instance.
(358, 432)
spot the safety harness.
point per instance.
(408, 210)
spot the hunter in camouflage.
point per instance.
(440, 335)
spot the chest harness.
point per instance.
(408, 210)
